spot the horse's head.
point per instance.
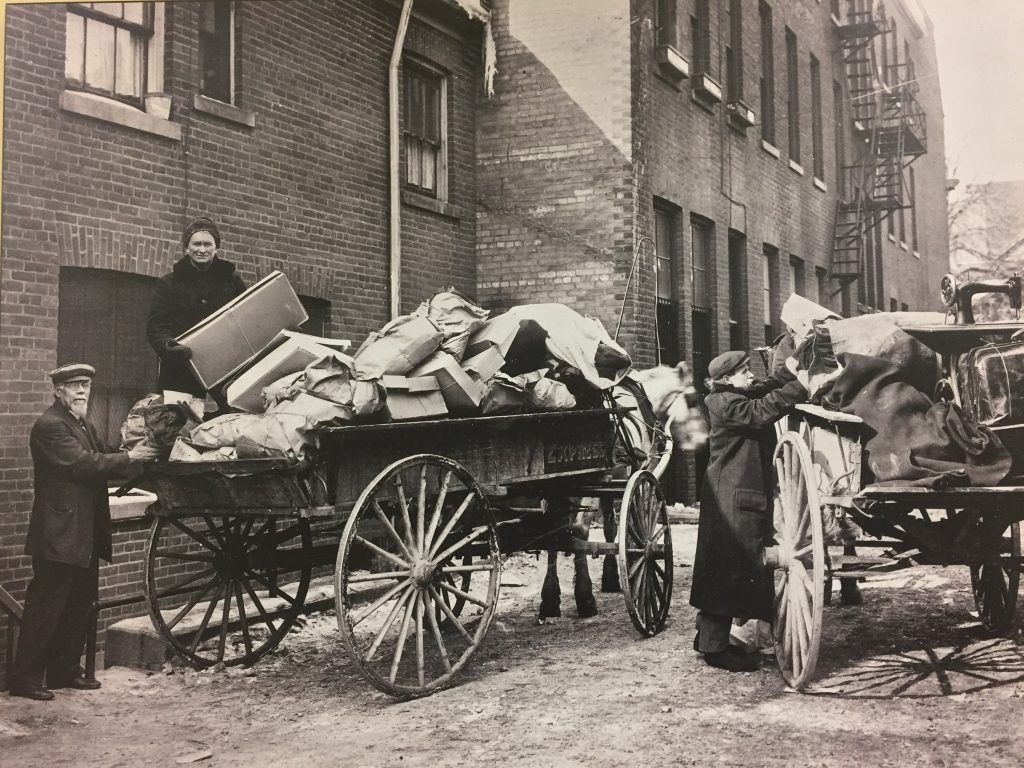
(674, 397)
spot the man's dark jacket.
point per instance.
(182, 299)
(71, 512)
(735, 503)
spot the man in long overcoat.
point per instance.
(729, 578)
(68, 532)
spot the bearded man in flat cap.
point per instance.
(199, 284)
(68, 532)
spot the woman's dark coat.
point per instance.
(71, 511)
(181, 300)
(735, 503)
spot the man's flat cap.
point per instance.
(727, 363)
(72, 372)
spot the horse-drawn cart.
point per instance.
(415, 518)
(819, 477)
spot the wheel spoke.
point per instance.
(421, 506)
(419, 638)
(382, 552)
(403, 504)
(377, 576)
(400, 603)
(482, 565)
(435, 518)
(224, 622)
(436, 631)
(451, 616)
(186, 529)
(204, 624)
(194, 557)
(259, 606)
(243, 619)
(381, 601)
(193, 602)
(463, 595)
(459, 512)
(474, 534)
(177, 588)
(213, 529)
(375, 505)
(403, 630)
(272, 589)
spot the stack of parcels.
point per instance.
(447, 358)
(870, 367)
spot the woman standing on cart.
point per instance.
(729, 578)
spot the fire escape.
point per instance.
(889, 129)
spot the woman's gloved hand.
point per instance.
(177, 351)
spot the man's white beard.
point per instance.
(79, 409)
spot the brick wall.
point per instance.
(554, 158)
(305, 190)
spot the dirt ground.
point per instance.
(907, 679)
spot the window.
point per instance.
(840, 138)
(904, 307)
(793, 97)
(894, 77)
(665, 32)
(108, 49)
(893, 305)
(767, 76)
(903, 218)
(217, 50)
(667, 307)
(426, 160)
(737, 290)
(734, 52)
(700, 38)
(796, 276)
(883, 43)
(319, 311)
(101, 320)
(817, 140)
(913, 211)
(770, 290)
(702, 317)
(821, 279)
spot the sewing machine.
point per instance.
(958, 297)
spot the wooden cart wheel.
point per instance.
(226, 589)
(409, 614)
(800, 570)
(995, 583)
(645, 553)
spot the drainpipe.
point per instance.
(394, 136)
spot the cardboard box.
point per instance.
(237, 332)
(497, 332)
(342, 345)
(292, 356)
(462, 393)
(415, 397)
(397, 347)
(483, 365)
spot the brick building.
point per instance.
(278, 130)
(673, 167)
(679, 167)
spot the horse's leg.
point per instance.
(849, 590)
(610, 567)
(583, 588)
(551, 593)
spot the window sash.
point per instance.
(817, 139)
(793, 97)
(767, 75)
(700, 261)
(423, 130)
(216, 50)
(106, 48)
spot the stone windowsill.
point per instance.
(892, 237)
(820, 184)
(771, 149)
(108, 110)
(228, 112)
(796, 167)
(440, 207)
(917, 254)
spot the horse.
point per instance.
(648, 401)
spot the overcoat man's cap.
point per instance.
(727, 363)
(72, 372)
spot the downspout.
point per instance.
(394, 135)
